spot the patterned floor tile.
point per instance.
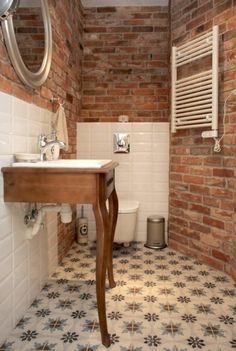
(163, 300)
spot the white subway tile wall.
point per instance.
(142, 175)
(24, 264)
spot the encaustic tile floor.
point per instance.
(163, 300)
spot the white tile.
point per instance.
(100, 154)
(6, 286)
(142, 138)
(46, 116)
(20, 309)
(19, 144)
(45, 128)
(5, 307)
(5, 210)
(35, 128)
(6, 327)
(100, 128)
(5, 160)
(20, 108)
(160, 186)
(6, 267)
(5, 123)
(141, 147)
(121, 158)
(5, 103)
(162, 127)
(83, 133)
(123, 187)
(83, 152)
(5, 247)
(20, 272)
(5, 144)
(32, 144)
(121, 128)
(142, 157)
(6, 227)
(20, 291)
(160, 166)
(20, 255)
(18, 239)
(142, 127)
(19, 126)
(160, 138)
(160, 177)
(35, 113)
(160, 149)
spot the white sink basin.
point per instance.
(64, 164)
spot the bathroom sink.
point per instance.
(71, 163)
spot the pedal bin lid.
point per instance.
(156, 219)
(128, 206)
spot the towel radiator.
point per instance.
(195, 98)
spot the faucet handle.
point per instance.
(42, 140)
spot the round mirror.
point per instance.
(28, 37)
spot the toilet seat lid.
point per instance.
(128, 206)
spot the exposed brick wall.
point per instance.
(29, 30)
(202, 183)
(125, 69)
(64, 80)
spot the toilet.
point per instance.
(126, 222)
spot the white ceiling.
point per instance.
(105, 3)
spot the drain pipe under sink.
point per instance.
(34, 226)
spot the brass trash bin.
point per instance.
(155, 232)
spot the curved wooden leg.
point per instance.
(102, 224)
(113, 214)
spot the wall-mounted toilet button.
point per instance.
(121, 143)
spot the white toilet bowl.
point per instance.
(126, 222)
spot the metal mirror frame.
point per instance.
(31, 79)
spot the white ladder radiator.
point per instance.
(195, 98)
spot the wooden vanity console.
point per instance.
(75, 185)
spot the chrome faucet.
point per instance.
(45, 144)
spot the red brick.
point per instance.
(212, 181)
(193, 179)
(213, 160)
(96, 29)
(211, 201)
(223, 193)
(220, 255)
(204, 171)
(200, 227)
(192, 160)
(200, 209)
(210, 261)
(178, 203)
(106, 9)
(191, 197)
(199, 189)
(199, 246)
(178, 168)
(213, 222)
(179, 238)
(222, 172)
(179, 221)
